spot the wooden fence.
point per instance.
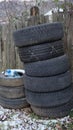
(9, 57)
(70, 42)
(8, 52)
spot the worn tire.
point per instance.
(38, 34)
(48, 67)
(54, 112)
(12, 92)
(12, 81)
(41, 52)
(12, 87)
(13, 103)
(49, 99)
(48, 84)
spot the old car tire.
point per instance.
(13, 103)
(38, 34)
(12, 86)
(48, 84)
(48, 67)
(49, 99)
(12, 92)
(12, 82)
(41, 52)
(54, 112)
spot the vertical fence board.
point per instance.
(0, 48)
(10, 56)
(0, 57)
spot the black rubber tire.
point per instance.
(38, 34)
(12, 82)
(48, 67)
(50, 99)
(13, 103)
(48, 84)
(41, 52)
(54, 112)
(12, 92)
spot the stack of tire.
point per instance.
(47, 76)
(12, 91)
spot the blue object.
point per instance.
(11, 73)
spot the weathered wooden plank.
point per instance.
(0, 47)
(34, 20)
(0, 57)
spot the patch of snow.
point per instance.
(22, 120)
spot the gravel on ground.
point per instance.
(25, 119)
